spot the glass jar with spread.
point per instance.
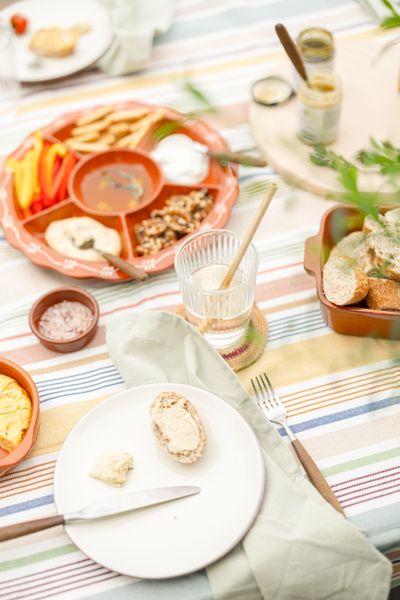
(317, 48)
(319, 108)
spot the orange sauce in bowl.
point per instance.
(117, 187)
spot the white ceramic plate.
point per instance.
(178, 537)
(46, 13)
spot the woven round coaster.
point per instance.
(250, 347)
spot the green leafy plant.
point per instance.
(200, 97)
(205, 105)
(347, 174)
(394, 19)
(383, 155)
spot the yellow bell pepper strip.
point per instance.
(28, 181)
(16, 168)
(37, 147)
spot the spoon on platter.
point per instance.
(292, 51)
(116, 261)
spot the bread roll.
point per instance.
(178, 427)
(343, 281)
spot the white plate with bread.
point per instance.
(61, 38)
(176, 435)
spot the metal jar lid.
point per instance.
(272, 91)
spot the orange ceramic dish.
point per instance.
(71, 294)
(27, 232)
(8, 460)
(336, 223)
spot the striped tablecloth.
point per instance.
(341, 392)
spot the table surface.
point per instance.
(341, 392)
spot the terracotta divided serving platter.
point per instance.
(26, 232)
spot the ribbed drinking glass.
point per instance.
(9, 84)
(201, 264)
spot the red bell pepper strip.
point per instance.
(61, 181)
(46, 167)
(43, 183)
(36, 206)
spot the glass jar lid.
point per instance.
(272, 90)
(316, 44)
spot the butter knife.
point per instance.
(101, 508)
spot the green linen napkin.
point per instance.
(299, 547)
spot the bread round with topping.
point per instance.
(178, 427)
(344, 282)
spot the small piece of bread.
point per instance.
(354, 246)
(384, 294)
(112, 467)
(384, 248)
(344, 282)
(54, 42)
(178, 427)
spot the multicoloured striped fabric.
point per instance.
(342, 393)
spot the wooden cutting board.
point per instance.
(371, 107)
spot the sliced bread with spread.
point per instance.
(178, 427)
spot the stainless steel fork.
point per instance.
(270, 403)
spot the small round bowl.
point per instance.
(73, 294)
(88, 185)
(8, 460)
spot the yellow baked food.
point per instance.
(15, 413)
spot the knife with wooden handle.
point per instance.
(101, 508)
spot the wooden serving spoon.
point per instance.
(238, 158)
(292, 51)
(116, 261)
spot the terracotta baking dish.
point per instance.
(72, 294)
(8, 460)
(351, 320)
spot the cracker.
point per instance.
(89, 136)
(127, 115)
(96, 126)
(88, 147)
(94, 115)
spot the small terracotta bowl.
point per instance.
(146, 169)
(73, 294)
(8, 460)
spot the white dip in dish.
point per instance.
(182, 160)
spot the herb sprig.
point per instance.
(201, 99)
(347, 174)
(394, 19)
(383, 155)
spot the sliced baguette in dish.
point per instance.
(344, 282)
(178, 427)
(354, 246)
(371, 224)
(392, 218)
(384, 294)
(384, 249)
